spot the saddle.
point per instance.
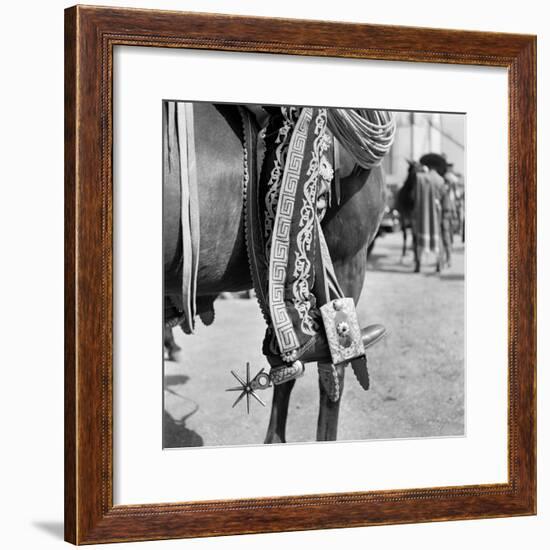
(288, 181)
(286, 192)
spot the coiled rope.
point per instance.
(366, 134)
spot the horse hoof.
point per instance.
(173, 355)
(274, 439)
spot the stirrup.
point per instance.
(286, 372)
(318, 353)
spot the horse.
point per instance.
(349, 225)
(404, 204)
(406, 200)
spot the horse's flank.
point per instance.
(349, 225)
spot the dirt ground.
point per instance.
(417, 370)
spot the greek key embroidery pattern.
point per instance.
(305, 237)
(282, 324)
(274, 184)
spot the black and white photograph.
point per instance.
(272, 277)
(314, 262)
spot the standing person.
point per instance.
(426, 217)
(448, 215)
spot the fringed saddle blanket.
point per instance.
(426, 218)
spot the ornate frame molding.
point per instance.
(90, 35)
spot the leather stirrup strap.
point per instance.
(326, 272)
(190, 227)
(252, 222)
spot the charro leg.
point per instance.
(327, 422)
(276, 431)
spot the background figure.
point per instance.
(448, 216)
(426, 217)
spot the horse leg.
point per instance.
(416, 254)
(404, 251)
(171, 349)
(351, 275)
(370, 247)
(327, 422)
(276, 431)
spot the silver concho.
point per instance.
(342, 330)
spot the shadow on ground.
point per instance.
(53, 528)
(381, 263)
(175, 380)
(417, 371)
(176, 433)
(453, 277)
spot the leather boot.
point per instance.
(319, 350)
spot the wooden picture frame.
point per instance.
(91, 33)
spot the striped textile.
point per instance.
(426, 217)
(181, 228)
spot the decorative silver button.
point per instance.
(342, 328)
